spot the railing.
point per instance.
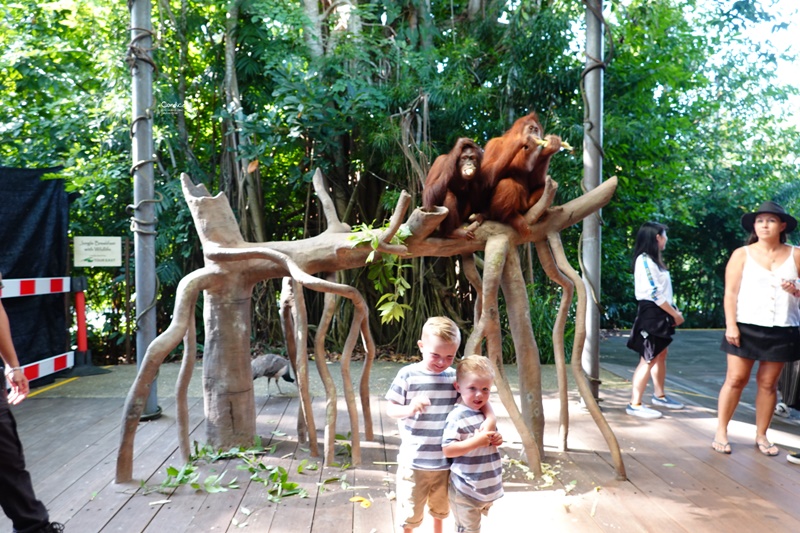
(15, 288)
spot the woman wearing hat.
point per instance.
(762, 315)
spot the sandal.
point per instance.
(721, 447)
(767, 448)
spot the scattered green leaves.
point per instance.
(274, 477)
(304, 465)
(344, 448)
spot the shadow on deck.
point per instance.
(676, 481)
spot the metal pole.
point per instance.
(127, 300)
(144, 221)
(592, 177)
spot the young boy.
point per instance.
(476, 475)
(420, 397)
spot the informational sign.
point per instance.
(98, 251)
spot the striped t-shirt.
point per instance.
(479, 473)
(421, 434)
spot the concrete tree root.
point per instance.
(554, 240)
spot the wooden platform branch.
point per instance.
(546, 200)
(360, 319)
(421, 224)
(385, 241)
(554, 241)
(188, 290)
(548, 262)
(334, 224)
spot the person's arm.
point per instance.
(417, 405)
(482, 438)
(733, 280)
(790, 285)
(676, 314)
(463, 447)
(16, 378)
(490, 424)
(452, 447)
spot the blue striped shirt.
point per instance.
(479, 473)
(421, 434)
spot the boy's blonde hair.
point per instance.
(442, 327)
(474, 364)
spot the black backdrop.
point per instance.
(33, 244)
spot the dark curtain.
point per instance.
(33, 244)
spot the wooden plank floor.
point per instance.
(676, 482)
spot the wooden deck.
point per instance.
(676, 481)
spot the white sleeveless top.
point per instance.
(761, 300)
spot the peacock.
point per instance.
(271, 366)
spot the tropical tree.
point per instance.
(253, 95)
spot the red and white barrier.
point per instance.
(49, 366)
(13, 288)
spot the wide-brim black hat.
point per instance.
(769, 207)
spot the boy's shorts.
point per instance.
(467, 511)
(414, 488)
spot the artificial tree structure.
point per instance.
(233, 267)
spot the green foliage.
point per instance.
(344, 449)
(544, 300)
(697, 128)
(690, 104)
(274, 478)
(385, 271)
(188, 475)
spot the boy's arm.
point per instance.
(490, 424)
(417, 405)
(457, 448)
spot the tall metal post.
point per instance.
(592, 177)
(144, 220)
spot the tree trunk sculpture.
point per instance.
(233, 267)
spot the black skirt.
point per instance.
(652, 330)
(760, 343)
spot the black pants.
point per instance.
(17, 498)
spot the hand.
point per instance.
(732, 335)
(488, 438)
(790, 287)
(553, 144)
(418, 405)
(495, 438)
(19, 386)
(482, 439)
(679, 319)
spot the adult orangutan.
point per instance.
(454, 182)
(515, 167)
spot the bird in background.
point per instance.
(271, 366)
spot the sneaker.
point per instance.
(52, 527)
(782, 410)
(642, 412)
(793, 457)
(666, 402)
